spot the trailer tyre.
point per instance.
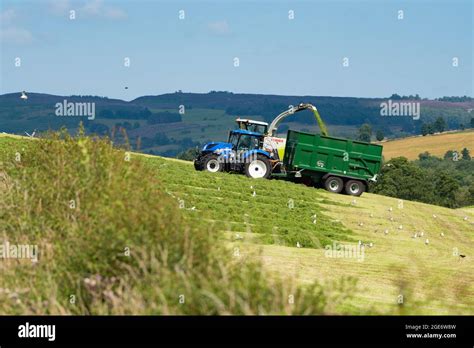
(212, 164)
(258, 168)
(354, 187)
(334, 184)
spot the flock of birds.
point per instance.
(400, 227)
(386, 231)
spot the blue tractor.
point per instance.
(243, 152)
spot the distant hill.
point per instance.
(436, 144)
(209, 116)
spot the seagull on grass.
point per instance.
(32, 135)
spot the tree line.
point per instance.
(447, 181)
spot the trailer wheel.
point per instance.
(258, 168)
(212, 164)
(354, 187)
(334, 184)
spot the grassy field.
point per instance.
(432, 278)
(436, 144)
(287, 227)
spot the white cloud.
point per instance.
(93, 7)
(219, 27)
(97, 8)
(87, 9)
(114, 13)
(15, 36)
(9, 32)
(60, 7)
(7, 16)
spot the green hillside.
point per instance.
(286, 227)
(432, 278)
(170, 123)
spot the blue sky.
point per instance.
(277, 55)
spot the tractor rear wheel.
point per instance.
(334, 184)
(354, 187)
(258, 168)
(212, 164)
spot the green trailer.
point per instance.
(339, 165)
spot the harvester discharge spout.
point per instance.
(274, 125)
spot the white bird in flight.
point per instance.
(23, 95)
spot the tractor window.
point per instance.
(247, 142)
(233, 139)
(257, 128)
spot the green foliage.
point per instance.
(379, 135)
(439, 125)
(455, 99)
(465, 154)
(403, 179)
(427, 128)
(405, 97)
(189, 155)
(445, 187)
(449, 155)
(424, 156)
(430, 180)
(365, 133)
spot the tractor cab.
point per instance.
(244, 140)
(252, 125)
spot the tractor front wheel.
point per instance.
(212, 164)
(258, 168)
